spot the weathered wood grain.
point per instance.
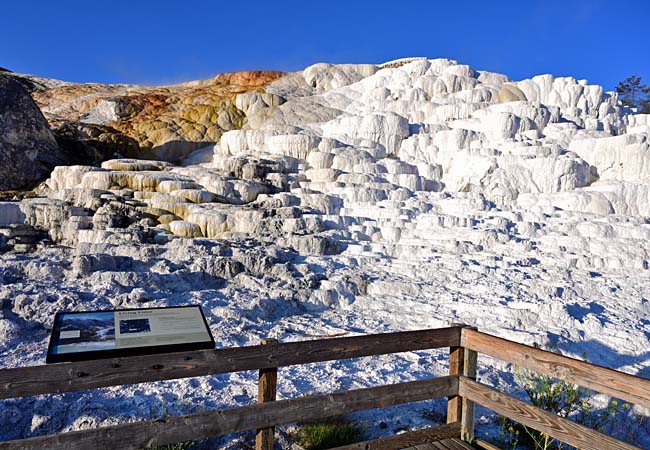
(485, 445)
(266, 392)
(560, 428)
(464, 343)
(408, 439)
(456, 360)
(78, 376)
(607, 381)
(139, 435)
(467, 410)
(444, 444)
(457, 444)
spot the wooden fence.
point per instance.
(459, 387)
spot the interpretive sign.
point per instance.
(78, 336)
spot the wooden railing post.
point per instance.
(266, 392)
(467, 414)
(456, 367)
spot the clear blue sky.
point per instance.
(166, 41)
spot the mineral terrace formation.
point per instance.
(341, 198)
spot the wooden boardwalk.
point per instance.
(445, 444)
(459, 387)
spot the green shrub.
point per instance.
(619, 420)
(570, 401)
(555, 396)
(328, 433)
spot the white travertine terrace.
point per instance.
(342, 138)
(369, 197)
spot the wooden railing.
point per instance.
(607, 381)
(459, 387)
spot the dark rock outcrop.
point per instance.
(28, 149)
(90, 144)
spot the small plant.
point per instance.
(328, 433)
(555, 396)
(177, 446)
(508, 434)
(619, 420)
(573, 402)
(163, 412)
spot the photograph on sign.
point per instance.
(106, 334)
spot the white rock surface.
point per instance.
(357, 199)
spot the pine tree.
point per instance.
(644, 107)
(634, 94)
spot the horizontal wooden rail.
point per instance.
(263, 415)
(484, 445)
(557, 427)
(607, 381)
(408, 439)
(79, 376)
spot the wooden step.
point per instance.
(444, 444)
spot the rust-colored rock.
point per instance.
(94, 122)
(257, 78)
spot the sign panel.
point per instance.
(80, 336)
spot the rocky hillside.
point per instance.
(338, 199)
(95, 122)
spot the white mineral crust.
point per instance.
(356, 199)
